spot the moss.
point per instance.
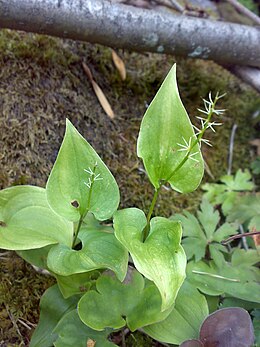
(42, 82)
(20, 290)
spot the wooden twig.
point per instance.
(234, 237)
(245, 11)
(231, 148)
(177, 6)
(138, 29)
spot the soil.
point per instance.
(42, 83)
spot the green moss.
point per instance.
(42, 82)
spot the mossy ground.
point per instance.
(42, 82)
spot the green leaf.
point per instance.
(256, 324)
(208, 218)
(191, 226)
(185, 319)
(216, 255)
(36, 257)
(100, 250)
(165, 124)
(76, 284)
(160, 258)
(116, 304)
(27, 221)
(255, 166)
(52, 307)
(241, 257)
(67, 190)
(204, 231)
(239, 282)
(72, 332)
(247, 209)
(227, 192)
(234, 302)
(194, 247)
(224, 231)
(241, 181)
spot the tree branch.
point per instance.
(137, 29)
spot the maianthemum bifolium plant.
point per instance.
(63, 228)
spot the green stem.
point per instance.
(87, 209)
(149, 215)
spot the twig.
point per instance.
(24, 324)
(14, 323)
(245, 11)
(234, 237)
(177, 6)
(242, 232)
(231, 148)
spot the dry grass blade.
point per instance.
(87, 72)
(119, 64)
(99, 93)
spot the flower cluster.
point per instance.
(206, 123)
(93, 177)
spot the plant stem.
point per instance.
(87, 209)
(150, 212)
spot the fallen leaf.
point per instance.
(91, 343)
(99, 93)
(256, 238)
(119, 64)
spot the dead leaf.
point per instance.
(99, 93)
(91, 343)
(256, 237)
(256, 143)
(119, 64)
(87, 72)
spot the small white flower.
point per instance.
(186, 146)
(212, 124)
(89, 171)
(192, 155)
(207, 142)
(93, 177)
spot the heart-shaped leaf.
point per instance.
(36, 257)
(28, 222)
(116, 304)
(53, 306)
(77, 283)
(228, 327)
(100, 250)
(164, 127)
(72, 332)
(160, 258)
(185, 319)
(80, 181)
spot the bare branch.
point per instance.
(118, 25)
(245, 11)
